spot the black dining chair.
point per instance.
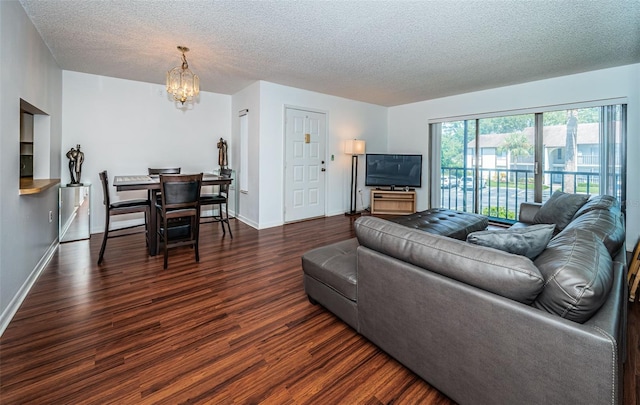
(119, 208)
(218, 201)
(179, 212)
(158, 171)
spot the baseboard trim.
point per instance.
(16, 301)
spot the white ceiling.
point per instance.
(382, 52)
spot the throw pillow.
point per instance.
(529, 241)
(559, 209)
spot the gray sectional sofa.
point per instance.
(480, 324)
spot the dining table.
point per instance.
(152, 182)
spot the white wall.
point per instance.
(125, 127)
(28, 71)
(346, 119)
(408, 124)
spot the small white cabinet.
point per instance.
(74, 212)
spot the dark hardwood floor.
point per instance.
(234, 328)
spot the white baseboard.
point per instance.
(9, 312)
(246, 221)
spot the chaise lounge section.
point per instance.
(483, 325)
(330, 271)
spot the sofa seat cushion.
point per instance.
(439, 221)
(335, 266)
(501, 273)
(578, 275)
(607, 225)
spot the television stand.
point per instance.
(393, 202)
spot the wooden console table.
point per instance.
(393, 202)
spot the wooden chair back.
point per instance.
(179, 212)
(165, 170)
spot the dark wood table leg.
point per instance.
(153, 224)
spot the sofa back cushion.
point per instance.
(608, 226)
(505, 274)
(599, 202)
(578, 271)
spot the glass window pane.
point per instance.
(505, 167)
(580, 151)
(456, 135)
(571, 151)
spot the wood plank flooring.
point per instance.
(234, 328)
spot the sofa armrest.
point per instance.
(528, 211)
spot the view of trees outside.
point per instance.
(453, 133)
(515, 145)
(507, 157)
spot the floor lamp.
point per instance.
(354, 147)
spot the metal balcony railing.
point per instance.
(592, 160)
(501, 191)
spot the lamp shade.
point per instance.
(354, 147)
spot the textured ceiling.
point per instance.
(381, 52)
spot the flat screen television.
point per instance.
(393, 170)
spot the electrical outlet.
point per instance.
(50, 216)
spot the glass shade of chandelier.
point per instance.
(182, 83)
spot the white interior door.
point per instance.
(305, 137)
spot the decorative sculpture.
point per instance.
(222, 154)
(76, 157)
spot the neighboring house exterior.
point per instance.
(497, 159)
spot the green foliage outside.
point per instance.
(499, 212)
(517, 145)
(453, 133)
(452, 145)
(593, 188)
(585, 115)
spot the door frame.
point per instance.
(284, 155)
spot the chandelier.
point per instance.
(182, 84)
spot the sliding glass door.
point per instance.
(457, 165)
(491, 165)
(506, 164)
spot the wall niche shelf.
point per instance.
(30, 186)
(34, 125)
